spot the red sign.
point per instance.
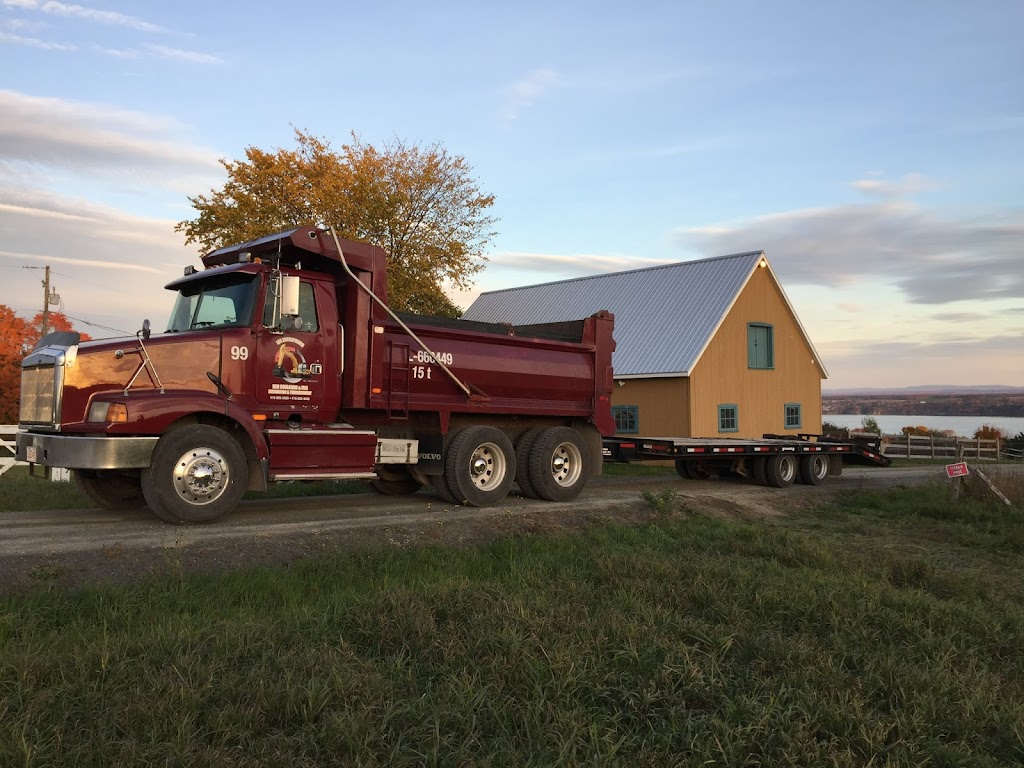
(957, 470)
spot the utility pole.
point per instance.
(48, 299)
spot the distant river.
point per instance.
(962, 425)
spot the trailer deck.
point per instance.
(776, 460)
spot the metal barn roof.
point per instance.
(665, 316)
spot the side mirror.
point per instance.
(289, 295)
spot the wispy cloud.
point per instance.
(909, 185)
(35, 42)
(177, 54)
(523, 93)
(985, 360)
(88, 263)
(932, 256)
(79, 136)
(109, 266)
(23, 31)
(85, 13)
(567, 265)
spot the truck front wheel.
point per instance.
(480, 466)
(559, 464)
(197, 474)
(115, 492)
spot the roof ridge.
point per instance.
(626, 272)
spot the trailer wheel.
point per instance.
(760, 469)
(197, 474)
(394, 482)
(559, 464)
(813, 469)
(780, 470)
(524, 446)
(480, 466)
(683, 469)
(115, 492)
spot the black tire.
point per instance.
(524, 447)
(813, 469)
(197, 474)
(112, 491)
(391, 481)
(480, 466)
(559, 464)
(441, 486)
(760, 469)
(781, 470)
(683, 469)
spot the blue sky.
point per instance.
(874, 150)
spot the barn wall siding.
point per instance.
(663, 403)
(722, 376)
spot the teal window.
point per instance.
(627, 418)
(760, 345)
(728, 418)
(793, 416)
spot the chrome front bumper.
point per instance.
(85, 452)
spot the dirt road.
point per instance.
(76, 547)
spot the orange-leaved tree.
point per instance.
(421, 204)
(990, 432)
(17, 338)
(12, 336)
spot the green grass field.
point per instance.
(885, 629)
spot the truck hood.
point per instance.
(177, 362)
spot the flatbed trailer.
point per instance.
(773, 460)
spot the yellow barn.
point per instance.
(707, 348)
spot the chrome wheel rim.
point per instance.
(566, 464)
(201, 476)
(487, 466)
(787, 468)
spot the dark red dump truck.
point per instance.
(281, 361)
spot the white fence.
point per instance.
(7, 460)
(8, 453)
(928, 447)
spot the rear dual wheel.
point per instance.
(550, 463)
(559, 464)
(480, 466)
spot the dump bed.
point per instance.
(551, 369)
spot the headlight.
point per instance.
(111, 413)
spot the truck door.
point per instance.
(291, 361)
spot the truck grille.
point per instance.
(38, 395)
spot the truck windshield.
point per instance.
(221, 302)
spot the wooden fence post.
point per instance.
(956, 484)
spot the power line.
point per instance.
(97, 325)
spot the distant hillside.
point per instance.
(929, 389)
(1008, 402)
